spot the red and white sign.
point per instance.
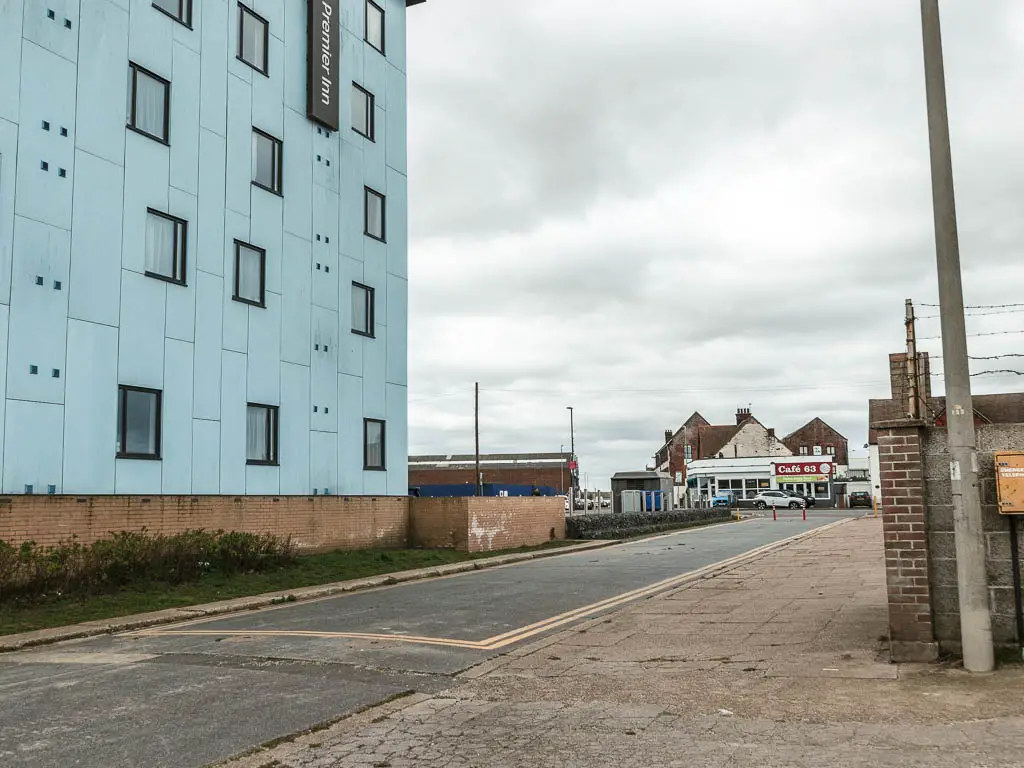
(803, 468)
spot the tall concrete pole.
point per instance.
(972, 580)
(575, 473)
(476, 435)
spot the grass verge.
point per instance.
(308, 571)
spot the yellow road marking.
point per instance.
(497, 641)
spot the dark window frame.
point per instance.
(122, 402)
(371, 311)
(239, 244)
(383, 28)
(370, 114)
(134, 70)
(179, 232)
(278, 164)
(383, 215)
(383, 445)
(242, 10)
(185, 17)
(273, 439)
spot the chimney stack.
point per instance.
(668, 436)
(742, 414)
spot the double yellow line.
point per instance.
(497, 641)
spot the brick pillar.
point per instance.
(911, 624)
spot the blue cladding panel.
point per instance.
(350, 348)
(264, 371)
(136, 476)
(395, 31)
(268, 94)
(374, 366)
(375, 270)
(398, 334)
(210, 228)
(94, 292)
(294, 429)
(140, 354)
(8, 170)
(48, 85)
(397, 441)
(181, 299)
(151, 40)
(10, 59)
(102, 80)
(295, 66)
(209, 314)
(214, 98)
(352, 190)
(176, 438)
(396, 153)
(232, 424)
(266, 232)
(52, 34)
(350, 434)
(90, 414)
(295, 314)
(236, 314)
(298, 169)
(32, 430)
(273, 11)
(323, 461)
(205, 456)
(185, 120)
(262, 481)
(239, 162)
(3, 380)
(375, 74)
(38, 319)
(398, 224)
(324, 371)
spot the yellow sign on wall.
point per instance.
(1010, 482)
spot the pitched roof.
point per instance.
(714, 438)
(819, 420)
(1005, 408)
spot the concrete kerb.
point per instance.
(238, 605)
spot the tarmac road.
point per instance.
(190, 694)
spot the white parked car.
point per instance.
(778, 499)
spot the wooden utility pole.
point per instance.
(476, 434)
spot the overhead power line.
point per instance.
(979, 306)
(991, 333)
(987, 313)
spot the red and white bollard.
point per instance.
(805, 514)
(774, 515)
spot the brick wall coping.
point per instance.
(897, 424)
(237, 605)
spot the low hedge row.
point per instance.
(29, 572)
(617, 526)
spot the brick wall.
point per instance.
(817, 432)
(992, 438)
(485, 524)
(911, 626)
(315, 523)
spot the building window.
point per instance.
(165, 247)
(362, 112)
(374, 215)
(261, 434)
(688, 453)
(830, 450)
(362, 310)
(149, 104)
(138, 423)
(179, 10)
(373, 444)
(253, 39)
(817, 450)
(266, 161)
(803, 450)
(250, 274)
(374, 25)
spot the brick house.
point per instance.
(816, 438)
(545, 470)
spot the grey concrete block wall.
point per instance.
(942, 547)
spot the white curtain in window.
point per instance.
(256, 434)
(374, 444)
(374, 214)
(253, 41)
(360, 110)
(359, 302)
(250, 274)
(150, 95)
(160, 245)
(263, 160)
(141, 415)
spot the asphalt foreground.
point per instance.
(772, 660)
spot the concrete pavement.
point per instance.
(778, 662)
(188, 694)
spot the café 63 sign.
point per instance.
(803, 471)
(324, 48)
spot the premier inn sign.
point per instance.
(324, 48)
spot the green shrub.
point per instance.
(29, 573)
(617, 526)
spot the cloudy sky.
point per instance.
(642, 211)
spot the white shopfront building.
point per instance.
(747, 477)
